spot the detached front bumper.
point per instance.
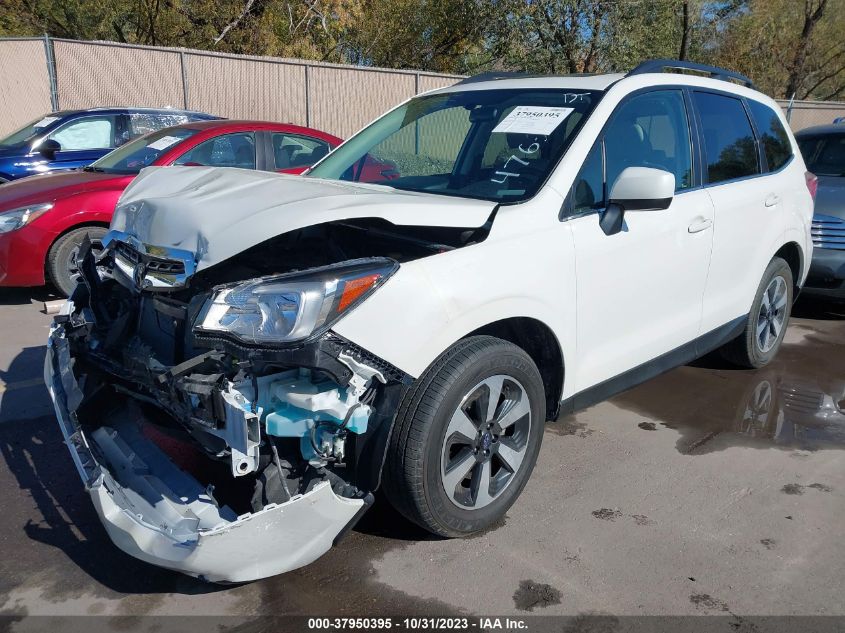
(156, 512)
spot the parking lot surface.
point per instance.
(709, 490)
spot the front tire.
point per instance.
(466, 437)
(766, 326)
(62, 260)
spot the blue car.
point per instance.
(71, 139)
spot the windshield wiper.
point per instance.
(92, 168)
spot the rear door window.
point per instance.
(228, 150)
(294, 150)
(773, 136)
(729, 145)
(824, 155)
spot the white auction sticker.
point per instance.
(533, 120)
(47, 120)
(164, 142)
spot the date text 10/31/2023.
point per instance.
(419, 623)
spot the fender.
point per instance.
(804, 243)
(477, 294)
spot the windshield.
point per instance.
(142, 152)
(824, 155)
(29, 131)
(497, 145)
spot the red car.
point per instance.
(44, 219)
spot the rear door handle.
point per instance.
(702, 224)
(772, 200)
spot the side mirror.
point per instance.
(637, 189)
(48, 148)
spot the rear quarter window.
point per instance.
(773, 136)
(141, 123)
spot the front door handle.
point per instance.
(701, 224)
(772, 200)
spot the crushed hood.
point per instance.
(218, 212)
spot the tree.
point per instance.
(435, 35)
(787, 47)
(813, 13)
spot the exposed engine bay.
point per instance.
(210, 443)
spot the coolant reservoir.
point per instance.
(297, 403)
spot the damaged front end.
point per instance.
(221, 427)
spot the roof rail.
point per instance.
(494, 75)
(660, 65)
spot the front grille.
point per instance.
(166, 267)
(828, 232)
(128, 253)
(153, 264)
(804, 398)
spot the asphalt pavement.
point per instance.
(708, 490)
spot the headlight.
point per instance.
(16, 218)
(292, 307)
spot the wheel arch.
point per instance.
(537, 340)
(65, 231)
(793, 255)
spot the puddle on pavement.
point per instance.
(532, 595)
(797, 402)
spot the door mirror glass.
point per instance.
(643, 188)
(48, 148)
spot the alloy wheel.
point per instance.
(485, 442)
(772, 315)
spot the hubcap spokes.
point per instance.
(757, 409)
(772, 315)
(73, 265)
(485, 443)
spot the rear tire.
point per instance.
(62, 265)
(455, 464)
(766, 326)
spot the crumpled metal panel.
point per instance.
(218, 212)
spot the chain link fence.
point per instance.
(802, 114)
(39, 75)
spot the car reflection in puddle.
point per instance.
(790, 412)
(796, 402)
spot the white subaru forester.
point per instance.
(251, 355)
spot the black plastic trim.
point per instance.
(644, 204)
(650, 369)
